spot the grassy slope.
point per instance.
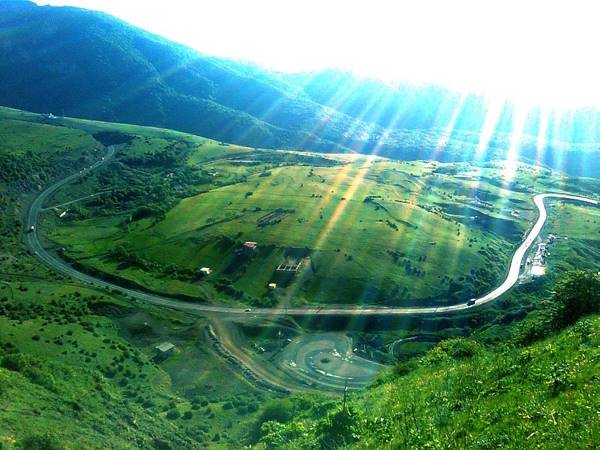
(579, 230)
(79, 364)
(542, 396)
(97, 370)
(421, 219)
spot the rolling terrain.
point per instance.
(334, 230)
(78, 363)
(198, 252)
(86, 64)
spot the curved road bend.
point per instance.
(32, 241)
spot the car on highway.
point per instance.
(248, 310)
(471, 302)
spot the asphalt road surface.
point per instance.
(32, 241)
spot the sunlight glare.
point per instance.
(535, 52)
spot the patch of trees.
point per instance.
(57, 310)
(274, 217)
(224, 285)
(144, 212)
(412, 270)
(164, 158)
(396, 255)
(147, 193)
(288, 159)
(128, 258)
(392, 225)
(576, 295)
(371, 198)
(112, 137)
(446, 170)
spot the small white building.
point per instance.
(205, 270)
(272, 285)
(538, 271)
(165, 349)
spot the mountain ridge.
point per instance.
(88, 64)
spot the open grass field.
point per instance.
(346, 229)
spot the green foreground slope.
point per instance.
(461, 395)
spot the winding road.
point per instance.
(32, 241)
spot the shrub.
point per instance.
(457, 348)
(338, 429)
(40, 377)
(15, 362)
(277, 410)
(41, 441)
(173, 414)
(403, 368)
(276, 435)
(577, 294)
(532, 329)
(280, 411)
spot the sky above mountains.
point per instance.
(535, 52)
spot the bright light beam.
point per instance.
(534, 52)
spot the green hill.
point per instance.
(79, 366)
(464, 395)
(79, 63)
(105, 69)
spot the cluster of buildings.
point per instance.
(537, 268)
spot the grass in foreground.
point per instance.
(463, 395)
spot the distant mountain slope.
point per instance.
(81, 63)
(88, 64)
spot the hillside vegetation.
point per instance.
(328, 229)
(79, 367)
(463, 395)
(75, 62)
(361, 229)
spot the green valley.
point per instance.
(343, 229)
(299, 225)
(325, 229)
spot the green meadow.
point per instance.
(359, 230)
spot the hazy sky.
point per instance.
(530, 50)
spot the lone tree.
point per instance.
(576, 294)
